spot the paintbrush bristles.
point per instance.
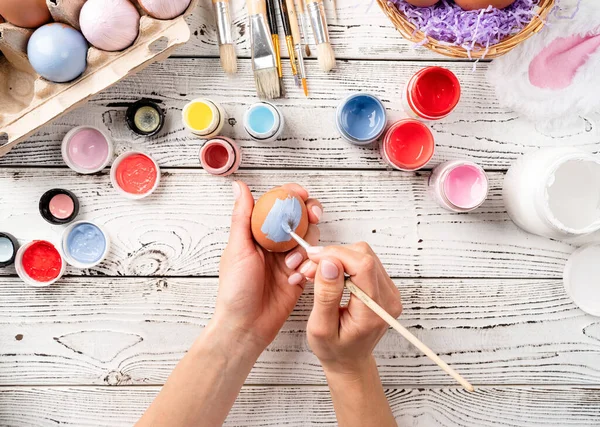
(267, 83)
(326, 57)
(228, 58)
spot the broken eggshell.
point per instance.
(271, 211)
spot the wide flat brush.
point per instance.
(264, 61)
(389, 319)
(297, 43)
(226, 46)
(318, 20)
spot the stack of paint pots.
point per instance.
(220, 155)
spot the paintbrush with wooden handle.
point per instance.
(389, 319)
(224, 30)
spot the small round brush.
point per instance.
(316, 12)
(226, 46)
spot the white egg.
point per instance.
(110, 25)
(164, 9)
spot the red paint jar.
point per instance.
(39, 263)
(408, 145)
(431, 94)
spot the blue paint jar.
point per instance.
(263, 122)
(85, 244)
(361, 118)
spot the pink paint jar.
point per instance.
(431, 94)
(459, 185)
(220, 156)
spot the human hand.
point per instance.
(343, 338)
(258, 289)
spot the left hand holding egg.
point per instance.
(259, 289)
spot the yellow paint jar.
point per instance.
(203, 117)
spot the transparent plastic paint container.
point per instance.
(28, 279)
(263, 122)
(71, 258)
(8, 249)
(554, 192)
(203, 117)
(431, 94)
(408, 145)
(220, 156)
(84, 156)
(361, 118)
(459, 185)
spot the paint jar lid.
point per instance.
(41, 245)
(145, 117)
(408, 145)
(59, 206)
(433, 92)
(220, 156)
(87, 149)
(582, 278)
(135, 175)
(263, 121)
(8, 249)
(361, 118)
(212, 117)
(85, 244)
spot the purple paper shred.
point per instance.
(474, 30)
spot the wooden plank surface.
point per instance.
(122, 331)
(182, 229)
(311, 406)
(480, 129)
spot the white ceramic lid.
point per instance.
(582, 278)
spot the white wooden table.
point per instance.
(94, 350)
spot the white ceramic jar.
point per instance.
(554, 192)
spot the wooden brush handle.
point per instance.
(293, 21)
(257, 7)
(300, 4)
(378, 310)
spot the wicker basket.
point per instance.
(409, 32)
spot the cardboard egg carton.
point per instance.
(27, 101)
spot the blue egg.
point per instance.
(361, 118)
(58, 52)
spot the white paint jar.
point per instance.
(459, 185)
(554, 192)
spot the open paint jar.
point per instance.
(58, 206)
(581, 278)
(554, 192)
(86, 149)
(408, 145)
(145, 117)
(8, 249)
(361, 118)
(263, 122)
(220, 156)
(459, 186)
(135, 175)
(39, 263)
(85, 244)
(203, 117)
(431, 94)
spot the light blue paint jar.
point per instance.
(263, 122)
(85, 244)
(361, 118)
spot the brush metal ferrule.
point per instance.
(290, 46)
(263, 52)
(301, 67)
(316, 12)
(275, 38)
(224, 27)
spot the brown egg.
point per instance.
(25, 13)
(271, 211)
(482, 4)
(422, 3)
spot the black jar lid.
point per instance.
(15, 247)
(56, 215)
(145, 117)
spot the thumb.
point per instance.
(240, 232)
(329, 288)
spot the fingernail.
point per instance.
(293, 260)
(329, 270)
(237, 191)
(313, 250)
(318, 212)
(307, 265)
(295, 279)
